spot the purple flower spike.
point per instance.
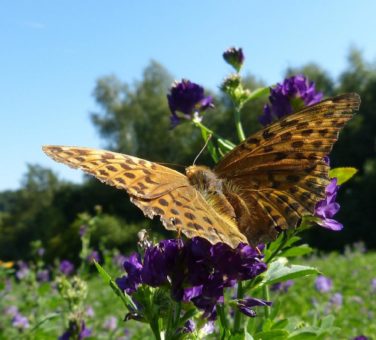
(11, 311)
(245, 305)
(234, 57)
(119, 260)
(23, 270)
(66, 267)
(323, 284)
(43, 275)
(110, 323)
(189, 327)
(293, 94)
(282, 287)
(94, 256)
(133, 267)
(187, 98)
(373, 285)
(328, 207)
(196, 270)
(361, 337)
(76, 331)
(21, 322)
(336, 299)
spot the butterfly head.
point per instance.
(203, 178)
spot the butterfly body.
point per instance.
(264, 185)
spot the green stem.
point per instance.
(226, 144)
(281, 245)
(265, 289)
(222, 316)
(238, 315)
(177, 313)
(155, 328)
(238, 125)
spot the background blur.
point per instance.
(96, 74)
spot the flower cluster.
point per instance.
(76, 331)
(323, 284)
(293, 94)
(328, 207)
(189, 99)
(66, 267)
(196, 271)
(19, 321)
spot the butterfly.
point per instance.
(264, 185)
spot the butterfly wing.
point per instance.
(155, 189)
(280, 173)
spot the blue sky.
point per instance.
(53, 52)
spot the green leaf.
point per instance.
(261, 91)
(279, 271)
(277, 334)
(304, 335)
(280, 324)
(327, 321)
(292, 240)
(127, 300)
(296, 251)
(48, 317)
(342, 174)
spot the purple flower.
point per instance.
(133, 268)
(187, 98)
(119, 260)
(360, 337)
(336, 299)
(323, 284)
(373, 285)
(207, 329)
(293, 94)
(110, 323)
(245, 305)
(83, 230)
(23, 270)
(76, 331)
(196, 270)
(282, 287)
(189, 327)
(43, 275)
(94, 256)
(11, 311)
(328, 207)
(41, 251)
(234, 57)
(66, 267)
(21, 322)
(89, 312)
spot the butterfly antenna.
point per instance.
(203, 148)
(172, 164)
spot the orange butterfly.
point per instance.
(265, 184)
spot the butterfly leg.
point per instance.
(179, 232)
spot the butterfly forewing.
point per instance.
(280, 171)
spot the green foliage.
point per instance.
(352, 274)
